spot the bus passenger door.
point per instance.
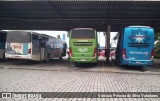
(35, 47)
(42, 48)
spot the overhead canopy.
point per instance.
(65, 15)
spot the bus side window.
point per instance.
(43, 41)
(61, 45)
(50, 43)
(35, 40)
(55, 43)
(58, 44)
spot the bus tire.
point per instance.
(142, 68)
(76, 64)
(60, 58)
(3, 57)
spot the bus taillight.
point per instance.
(70, 52)
(95, 52)
(124, 53)
(152, 54)
(29, 51)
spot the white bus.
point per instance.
(33, 46)
(2, 44)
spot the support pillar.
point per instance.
(107, 50)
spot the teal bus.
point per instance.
(83, 45)
(136, 46)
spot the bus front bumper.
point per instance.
(138, 62)
(84, 59)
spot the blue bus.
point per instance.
(135, 46)
(3, 35)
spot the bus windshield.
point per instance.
(18, 37)
(2, 37)
(83, 34)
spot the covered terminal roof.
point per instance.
(68, 14)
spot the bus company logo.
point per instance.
(82, 50)
(139, 36)
(17, 46)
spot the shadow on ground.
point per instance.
(56, 64)
(29, 62)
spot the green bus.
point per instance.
(83, 45)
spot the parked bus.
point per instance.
(33, 46)
(3, 35)
(135, 46)
(83, 45)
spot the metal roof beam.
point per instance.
(58, 13)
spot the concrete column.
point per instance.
(107, 51)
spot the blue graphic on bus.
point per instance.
(139, 36)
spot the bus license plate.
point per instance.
(82, 59)
(138, 62)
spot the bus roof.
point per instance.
(1, 31)
(83, 28)
(139, 26)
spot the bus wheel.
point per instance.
(76, 64)
(48, 58)
(4, 59)
(60, 58)
(143, 68)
